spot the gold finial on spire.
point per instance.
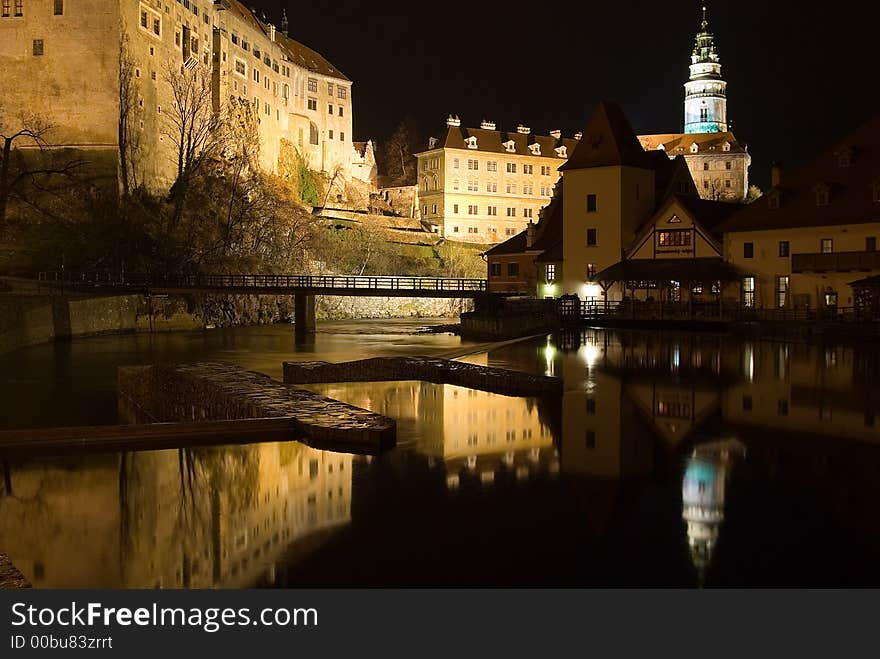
(705, 18)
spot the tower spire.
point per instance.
(284, 25)
(705, 23)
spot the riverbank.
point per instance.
(29, 316)
(10, 577)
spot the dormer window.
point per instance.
(562, 152)
(535, 149)
(822, 195)
(510, 146)
(844, 157)
(725, 147)
(694, 147)
(471, 142)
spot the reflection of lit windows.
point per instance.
(826, 245)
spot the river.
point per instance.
(671, 459)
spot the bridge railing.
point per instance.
(261, 281)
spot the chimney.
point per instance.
(487, 125)
(271, 32)
(530, 234)
(523, 130)
(775, 174)
(578, 135)
(557, 134)
(453, 121)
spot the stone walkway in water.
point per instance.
(425, 369)
(218, 391)
(10, 577)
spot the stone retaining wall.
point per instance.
(216, 391)
(10, 577)
(425, 369)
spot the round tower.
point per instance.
(705, 101)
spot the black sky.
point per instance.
(800, 74)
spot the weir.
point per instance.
(425, 369)
(216, 391)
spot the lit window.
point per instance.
(748, 294)
(674, 238)
(827, 245)
(313, 85)
(551, 272)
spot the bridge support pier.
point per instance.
(303, 315)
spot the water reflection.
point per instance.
(469, 434)
(703, 489)
(669, 459)
(170, 519)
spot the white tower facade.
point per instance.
(705, 102)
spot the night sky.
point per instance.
(800, 74)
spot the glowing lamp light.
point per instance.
(549, 290)
(589, 354)
(591, 291)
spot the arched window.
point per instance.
(313, 133)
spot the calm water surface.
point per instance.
(670, 459)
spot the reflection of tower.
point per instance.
(702, 493)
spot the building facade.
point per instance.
(804, 243)
(66, 63)
(484, 185)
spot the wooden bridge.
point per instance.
(303, 288)
(252, 284)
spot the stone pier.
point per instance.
(425, 369)
(217, 391)
(10, 577)
(303, 315)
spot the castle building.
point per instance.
(719, 164)
(484, 185)
(68, 63)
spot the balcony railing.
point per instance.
(836, 262)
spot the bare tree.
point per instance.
(128, 135)
(396, 156)
(28, 133)
(193, 124)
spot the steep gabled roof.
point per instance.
(608, 140)
(851, 189)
